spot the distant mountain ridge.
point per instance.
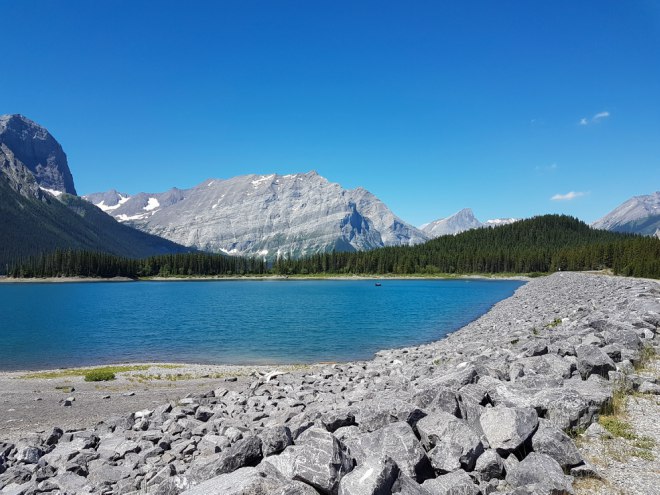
(638, 215)
(269, 216)
(460, 222)
(38, 215)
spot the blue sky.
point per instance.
(432, 106)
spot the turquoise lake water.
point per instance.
(237, 322)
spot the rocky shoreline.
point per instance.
(492, 408)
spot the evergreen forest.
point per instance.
(538, 245)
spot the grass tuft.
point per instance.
(99, 375)
(554, 323)
(617, 427)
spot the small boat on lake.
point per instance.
(378, 284)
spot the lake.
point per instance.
(231, 322)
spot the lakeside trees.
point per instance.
(542, 244)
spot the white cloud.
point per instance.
(596, 118)
(547, 168)
(568, 196)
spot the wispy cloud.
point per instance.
(595, 119)
(568, 196)
(547, 168)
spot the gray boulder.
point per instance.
(243, 481)
(452, 443)
(564, 407)
(374, 414)
(437, 399)
(372, 477)
(552, 441)
(275, 439)
(405, 485)
(399, 442)
(456, 483)
(507, 428)
(318, 459)
(245, 452)
(593, 361)
(541, 472)
(489, 465)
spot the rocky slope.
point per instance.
(264, 215)
(488, 409)
(38, 150)
(460, 222)
(37, 217)
(638, 215)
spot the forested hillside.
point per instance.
(29, 227)
(542, 244)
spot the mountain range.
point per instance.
(39, 210)
(269, 216)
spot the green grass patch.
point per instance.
(99, 375)
(617, 427)
(648, 354)
(646, 443)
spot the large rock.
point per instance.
(508, 428)
(452, 443)
(318, 459)
(566, 408)
(372, 477)
(557, 444)
(244, 481)
(456, 483)
(405, 485)
(245, 452)
(275, 439)
(374, 414)
(592, 360)
(399, 442)
(489, 465)
(541, 472)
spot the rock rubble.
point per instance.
(489, 409)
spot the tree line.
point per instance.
(542, 244)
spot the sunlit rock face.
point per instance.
(268, 216)
(38, 151)
(638, 215)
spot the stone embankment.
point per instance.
(490, 409)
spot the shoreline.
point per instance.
(63, 280)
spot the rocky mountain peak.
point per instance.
(268, 216)
(459, 222)
(38, 150)
(638, 215)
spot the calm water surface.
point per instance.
(238, 322)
